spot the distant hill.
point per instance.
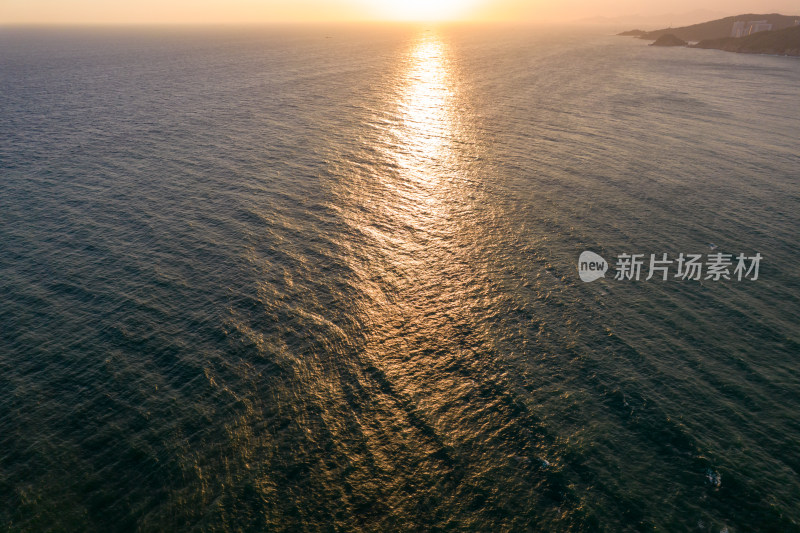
(781, 42)
(715, 29)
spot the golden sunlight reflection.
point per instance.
(410, 192)
(426, 102)
(414, 209)
(423, 139)
(410, 181)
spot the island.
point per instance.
(668, 40)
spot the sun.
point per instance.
(422, 10)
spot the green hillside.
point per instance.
(781, 42)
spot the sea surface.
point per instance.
(326, 279)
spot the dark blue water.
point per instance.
(325, 279)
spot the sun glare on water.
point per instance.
(422, 10)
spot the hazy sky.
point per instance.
(265, 11)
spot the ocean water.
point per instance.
(325, 279)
